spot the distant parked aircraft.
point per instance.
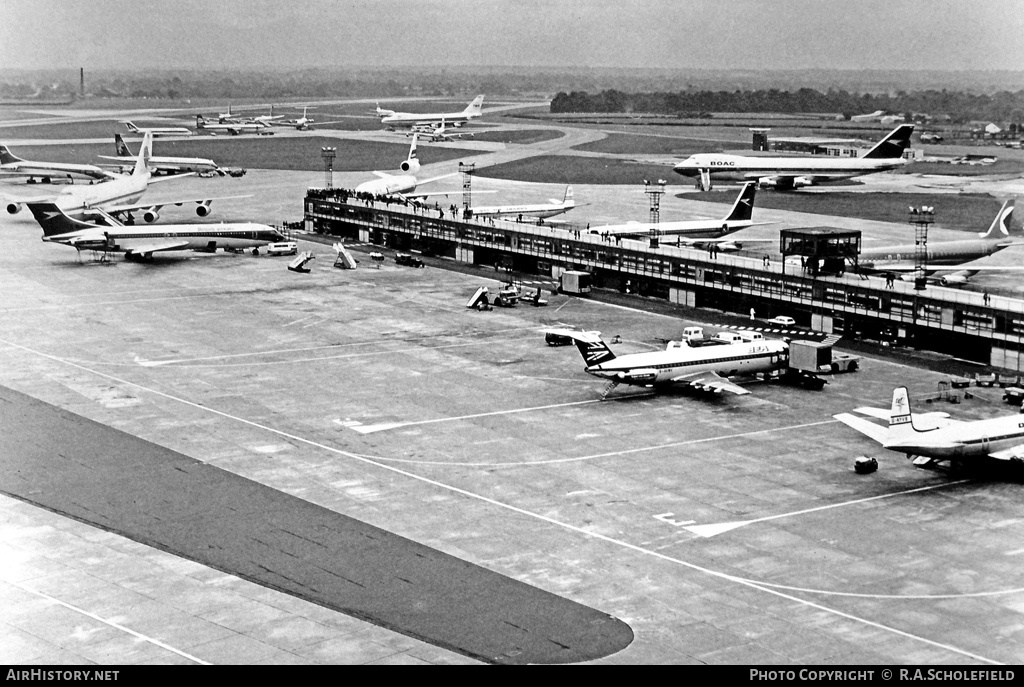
(539, 210)
(159, 130)
(233, 128)
(696, 231)
(11, 165)
(472, 111)
(165, 165)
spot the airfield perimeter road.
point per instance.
(721, 530)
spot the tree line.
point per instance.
(1002, 106)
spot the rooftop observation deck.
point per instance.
(976, 326)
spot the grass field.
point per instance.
(961, 212)
(264, 152)
(564, 169)
(655, 144)
(76, 130)
(520, 136)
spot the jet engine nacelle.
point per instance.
(412, 165)
(783, 184)
(203, 209)
(14, 208)
(955, 279)
(151, 215)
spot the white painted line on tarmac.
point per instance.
(719, 528)
(370, 429)
(110, 623)
(582, 531)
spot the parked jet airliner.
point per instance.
(935, 438)
(144, 241)
(941, 255)
(117, 197)
(697, 231)
(788, 173)
(166, 165)
(539, 210)
(472, 111)
(11, 165)
(401, 185)
(699, 366)
(159, 130)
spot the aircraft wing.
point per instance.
(922, 421)
(876, 432)
(1014, 452)
(169, 244)
(710, 380)
(119, 209)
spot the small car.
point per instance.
(283, 248)
(782, 321)
(408, 260)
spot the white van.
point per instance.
(283, 248)
(729, 337)
(750, 336)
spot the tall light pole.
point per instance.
(655, 193)
(328, 153)
(922, 218)
(467, 169)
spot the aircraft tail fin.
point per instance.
(120, 147)
(893, 145)
(593, 349)
(6, 156)
(900, 414)
(1000, 227)
(201, 121)
(131, 127)
(412, 148)
(475, 107)
(145, 152)
(53, 220)
(568, 198)
(743, 208)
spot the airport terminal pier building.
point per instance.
(818, 293)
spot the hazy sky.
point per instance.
(780, 34)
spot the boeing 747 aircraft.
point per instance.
(11, 165)
(472, 111)
(788, 173)
(142, 242)
(933, 437)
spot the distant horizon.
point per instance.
(918, 35)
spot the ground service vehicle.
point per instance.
(283, 248)
(408, 260)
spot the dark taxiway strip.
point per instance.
(159, 497)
